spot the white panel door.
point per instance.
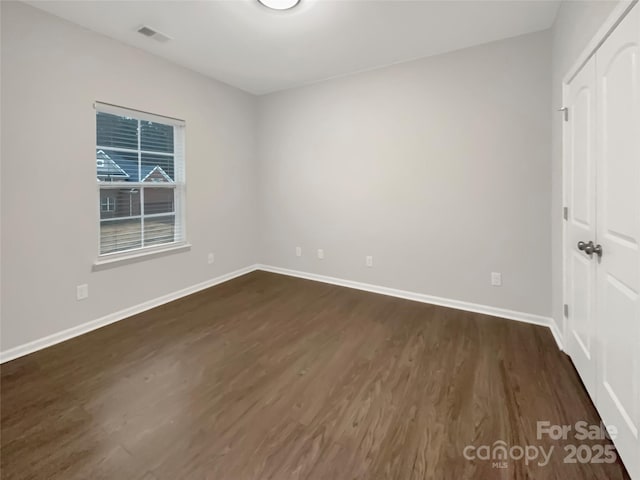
(580, 152)
(618, 213)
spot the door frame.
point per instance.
(609, 25)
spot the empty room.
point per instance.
(320, 239)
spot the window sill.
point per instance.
(116, 260)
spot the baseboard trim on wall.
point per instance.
(70, 333)
(555, 331)
(423, 298)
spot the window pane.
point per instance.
(119, 202)
(158, 200)
(116, 131)
(159, 230)
(115, 166)
(142, 213)
(119, 235)
(157, 168)
(156, 137)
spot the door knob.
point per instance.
(587, 248)
(598, 250)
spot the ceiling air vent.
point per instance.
(152, 33)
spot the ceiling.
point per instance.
(246, 45)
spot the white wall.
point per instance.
(52, 72)
(575, 25)
(439, 168)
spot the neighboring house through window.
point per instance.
(140, 172)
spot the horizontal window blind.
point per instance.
(140, 173)
(138, 114)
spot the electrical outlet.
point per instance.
(320, 253)
(369, 261)
(82, 291)
(211, 258)
(298, 252)
(496, 279)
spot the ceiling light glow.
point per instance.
(279, 4)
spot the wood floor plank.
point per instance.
(272, 377)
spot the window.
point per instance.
(107, 204)
(140, 172)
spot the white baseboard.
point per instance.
(70, 333)
(555, 331)
(421, 297)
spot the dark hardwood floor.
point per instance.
(271, 377)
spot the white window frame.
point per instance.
(108, 205)
(178, 185)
